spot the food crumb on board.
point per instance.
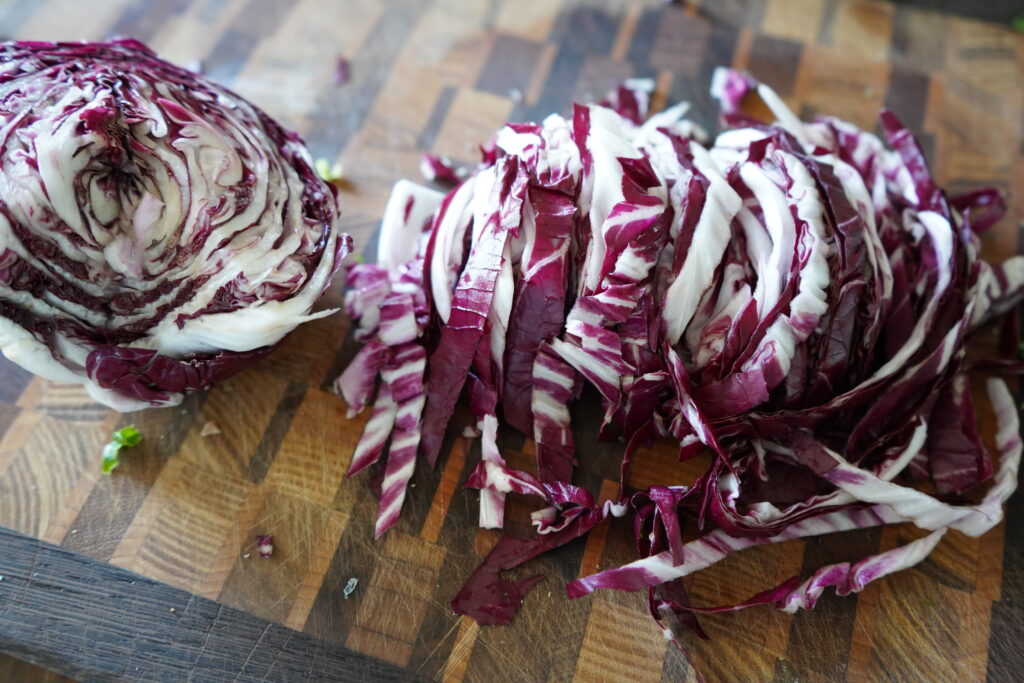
(173, 610)
(350, 587)
(209, 429)
(265, 545)
(342, 71)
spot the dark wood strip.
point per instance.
(341, 111)
(257, 20)
(913, 39)
(774, 62)
(826, 32)
(644, 37)
(579, 32)
(333, 615)
(436, 635)
(425, 140)
(509, 66)
(143, 19)
(91, 620)
(998, 11)
(1006, 633)
(908, 97)
(719, 48)
(735, 13)
(8, 413)
(13, 380)
(276, 430)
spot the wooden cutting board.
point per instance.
(186, 505)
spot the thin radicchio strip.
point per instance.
(553, 383)
(451, 359)
(483, 403)
(437, 169)
(356, 383)
(405, 378)
(376, 433)
(489, 597)
(798, 593)
(538, 314)
(715, 546)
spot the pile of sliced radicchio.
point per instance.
(793, 298)
(158, 233)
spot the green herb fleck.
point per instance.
(358, 258)
(328, 171)
(128, 436)
(125, 437)
(1017, 23)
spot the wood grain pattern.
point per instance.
(441, 76)
(115, 625)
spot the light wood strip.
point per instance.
(660, 465)
(187, 38)
(314, 34)
(37, 489)
(457, 664)
(473, 119)
(528, 20)
(741, 56)
(322, 554)
(797, 20)
(863, 30)
(535, 87)
(662, 87)
(72, 20)
(233, 549)
(747, 644)
(72, 504)
(830, 82)
(305, 537)
(619, 645)
(33, 393)
(240, 409)
(180, 526)
(312, 460)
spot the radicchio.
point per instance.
(158, 233)
(794, 298)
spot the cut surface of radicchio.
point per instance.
(792, 300)
(158, 233)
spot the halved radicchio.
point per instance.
(158, 233)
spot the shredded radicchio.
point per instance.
(157, 232)
(792, 299)
(265, 546)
